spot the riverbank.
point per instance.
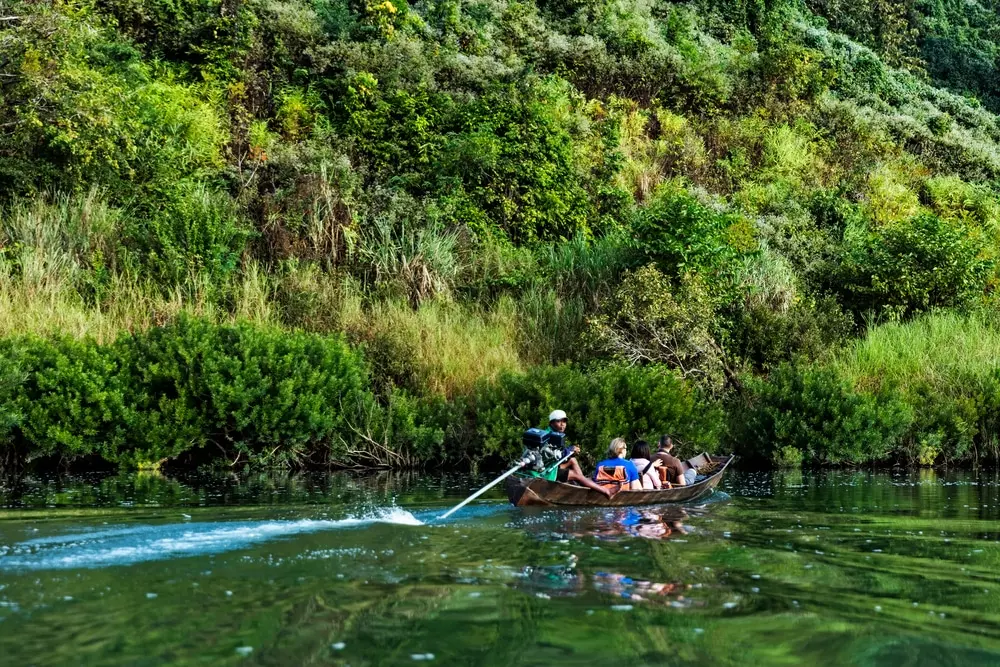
(195, 393)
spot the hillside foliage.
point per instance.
(318, 232)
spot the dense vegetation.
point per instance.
(311, 232)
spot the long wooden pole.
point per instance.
(520, 464)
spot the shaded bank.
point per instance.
(194, 393)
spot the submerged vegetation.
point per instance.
(322, 232)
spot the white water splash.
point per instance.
(136, 544)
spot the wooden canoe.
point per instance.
(526, 491)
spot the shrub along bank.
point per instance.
(188, 389)
(923, 392)
(195, 393)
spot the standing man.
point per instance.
(676, 474)
(570, 470)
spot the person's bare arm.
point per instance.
(635, 485)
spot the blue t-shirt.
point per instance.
(630, 469)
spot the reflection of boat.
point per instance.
(524, 491)
(651, 522)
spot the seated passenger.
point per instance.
(676, 474)
(648, 474)
(617, 471)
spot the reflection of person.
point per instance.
(655, 527)
(656, 523)
(648, 475)
(651, 529)
(615, 470)
(626, 587)
(570, 470)
(675, 469)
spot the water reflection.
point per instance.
(651, 523)
(827, 567)
(142, 489)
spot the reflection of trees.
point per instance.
(381, 623)
(272, 487)
(925, 492)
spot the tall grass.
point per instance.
(940, 349)
(946, 366)
(587, 268)
(550, 325)
(132, 304)
(62, 271)
(768, 280)
(418, 262)
(51, 241)
(572, 280)
(447, 347)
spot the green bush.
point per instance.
(811, 248)
(409, 431)
(945, 366)
(395, 130)
(682, 235)
(603, 403)
(11, 379)
(912, 266)
(256, 394)
(787, 457)
(414, 261)
(70, 403)
(818, 412)
(647, 320)
(884, 25)
(960, 45)
(806, 328)
(787, 72)
(194, 32)
(195, 233)
(515, 158)
(85, 110)
(955, 200)
(236, 394)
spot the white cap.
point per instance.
(557, 415)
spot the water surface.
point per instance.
(840, 568)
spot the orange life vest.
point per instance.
(607, 475)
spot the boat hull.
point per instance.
(525, 491)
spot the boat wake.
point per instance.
(128, 545)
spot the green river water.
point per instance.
(838, 568)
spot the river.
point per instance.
(821, 568)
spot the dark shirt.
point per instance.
(672, 464)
